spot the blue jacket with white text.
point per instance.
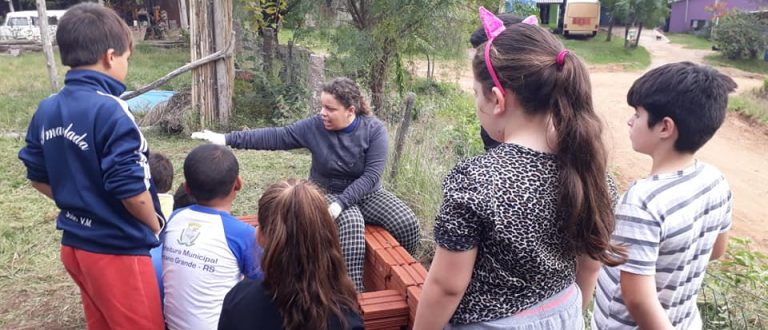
(84, 143)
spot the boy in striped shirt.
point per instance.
(675, 220)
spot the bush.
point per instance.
(741, 35)
(735, 290)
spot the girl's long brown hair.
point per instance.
(302, 262)
(524, 57)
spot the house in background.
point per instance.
(693, 15)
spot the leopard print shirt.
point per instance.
(504, 203)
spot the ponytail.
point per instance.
(548, 80)
(584, 200)
(363, 109)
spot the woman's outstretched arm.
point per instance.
(293, 136)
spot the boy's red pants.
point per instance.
(118, 291)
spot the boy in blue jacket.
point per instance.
(84, 151)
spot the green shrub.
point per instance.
(444, 131)
(741, 35)
(735, 290)
(262, 101)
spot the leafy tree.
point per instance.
(740, 35)
(641, 13)
(614, 11)
(379, 32)
(270, 14)
(522, 8)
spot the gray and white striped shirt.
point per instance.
(669, 224)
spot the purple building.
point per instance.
(688, 15)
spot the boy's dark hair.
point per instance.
(210, 171)
(87, 30)
(182, 199)
(695, 97)
(478, 37)
(161, 170)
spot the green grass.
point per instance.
(751, 105)
(37, 291)
(445, 131)
(690, 41)
(597, 51)
(24, 80)
(755, 66)
(316, 40)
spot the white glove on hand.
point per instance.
(335, 210)
(213, 137)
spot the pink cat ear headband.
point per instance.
(493, 27)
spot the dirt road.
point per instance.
(739, 149)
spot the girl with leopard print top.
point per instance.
(515, 221)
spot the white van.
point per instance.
(582, 17)
(23, 25)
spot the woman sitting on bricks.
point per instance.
(349, 152)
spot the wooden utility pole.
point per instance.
(45, 38)
(211, 31)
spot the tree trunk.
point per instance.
(183, 17)
(402, 131)
(637, 39)
(377, 80)
(268, 50)
(429, 67)
(211, 30)
(611, 21)
(45, 38)
(10, 5)
(561, 16)
(626, 35)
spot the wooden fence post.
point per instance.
(45, 39)
(211, 31)
(402, 130)
(184, 24)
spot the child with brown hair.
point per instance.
(305, 282)
(85, 151)
(515, 220)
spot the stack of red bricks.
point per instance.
(252, 220)
(389, 270)
(392, 279)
